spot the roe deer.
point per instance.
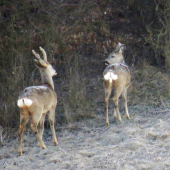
(35, 101)
(117, 77)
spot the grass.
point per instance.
(149, 85)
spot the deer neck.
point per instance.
(122, 61)
(46, 78)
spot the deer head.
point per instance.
(116, 56)
(43, 63)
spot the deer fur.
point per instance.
(117, 77)
(35, 101)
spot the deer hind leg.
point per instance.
(107, 96)
(114, 113)
(124, 95)
(23, 122)
(116, 96)
(51, 118)
(34, 122)
(41, 127)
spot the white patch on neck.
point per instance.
(52, 71)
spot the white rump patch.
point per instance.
(24, 102)
(110, 76)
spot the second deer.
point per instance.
(35, 101)
(117, 77)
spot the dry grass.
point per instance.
(139, 143)
(149, 85)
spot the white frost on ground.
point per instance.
(143, 142)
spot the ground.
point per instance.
(142, 142)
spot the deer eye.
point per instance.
(112, 56)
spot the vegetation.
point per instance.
(158, 33)
(77, 36)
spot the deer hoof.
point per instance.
(55, 143)
(44, 147)
(127, 116)
(120, 119)
(107, 123)
(20, 153)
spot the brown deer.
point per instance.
(35, 101)
(117, 77)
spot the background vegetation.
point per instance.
(77, 36)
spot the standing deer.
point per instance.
(117, 77)
(35, 101)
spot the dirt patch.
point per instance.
(139, 143)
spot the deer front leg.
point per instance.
(51, 118)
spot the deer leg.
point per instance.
(41, 127)
(107, 96)
(23, 122)
(115, 101)
(51, 118)
(124, 95)
(114, 114)
(34, 122)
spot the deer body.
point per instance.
(30, 99)
(117, 77)
(35, 101)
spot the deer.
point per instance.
(117, 78)
(35, 102)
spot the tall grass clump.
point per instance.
(76, 101)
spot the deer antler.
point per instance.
(39, 61)
(44, 54)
